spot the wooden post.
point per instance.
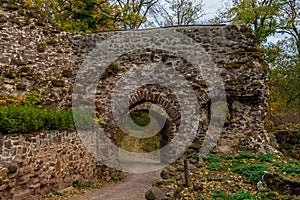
(186, 173)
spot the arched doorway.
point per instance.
(160, 132)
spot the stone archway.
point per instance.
(159, 138)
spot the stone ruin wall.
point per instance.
(31, 166)
(36, 56)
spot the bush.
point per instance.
(241, 195)
(140, 118)
(266, 157)
(25, 115)
(282, 167)
(245, 156)
(212, 158)
(215, 167)
(253, 171)
(18, 118)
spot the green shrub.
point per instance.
(15, 118)
(215, 167)
(59, 120)
(194, 156)
(266, 157)
(219, 194)
(241, 195)
(27, 118)
(140, 118)
(253, 171)
(292, 161)
(245, 156)
(282, 167)
(212, 158)
(77, 184)
(235, 163)
(57, 193)
(227, 157)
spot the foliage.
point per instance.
(232, 177)
(77, 184)
(18, 118)
(25, 115)
(285, 92)
(212, 158)
(253, 171)
(282, 19)
(179, 12)
(291, 169)
(57, 193)
(134, 12)
(266, 157)
(90, 15)
(241, 195)
(261, 16)
(244, 155)
(140, 118)
(215, 167)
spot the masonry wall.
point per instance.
(35, 55)
(31, 166)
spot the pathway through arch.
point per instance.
(134, 187)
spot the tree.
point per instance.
(285, 79)
(290, 22)
(266, 18)
(134, 12)
(178, 12)
(261, 15)
(90, 15)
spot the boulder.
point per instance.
(282, 185)
(155, 194)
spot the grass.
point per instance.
(231, 177)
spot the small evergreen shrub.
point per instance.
(141, 118)
(245, 156)
(215, 167)
(266, 157)
(23, 115)
(253, 171)
(212, 158)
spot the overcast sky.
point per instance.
(211, 7)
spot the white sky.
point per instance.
(211, 7)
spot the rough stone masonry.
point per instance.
(35, 55)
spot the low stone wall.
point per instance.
(35, 165)
(289, 141)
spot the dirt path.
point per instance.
(133, 187)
